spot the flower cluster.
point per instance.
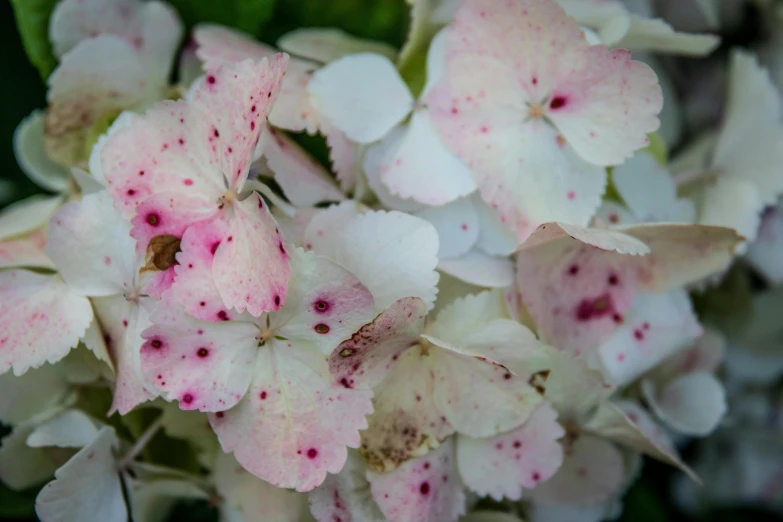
(483, 294)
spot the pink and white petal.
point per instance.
(41, 319)
(122, 322)
(576, 294)
(295, 423)
(766, 253)
(345, 496)
(251, 267)
(457, 225)
(294, 110)
(378, 157)
(604, 103)
(423, 169)
(362, 95)
(322, 228)
(236, 98)
(218, 45)
(627, 423)
(204, 365)
(171, 149)
(479, 398)
(27, 215)
(424, 489)
(194, 286)
(601, 238)
(303, 180)
(406, 422)
(32, 158)
(161, 34)
(325, 304)
(650, 192)
(592, 472)
(345, 155)
(527, 172)
(656, 326)
(503, 465)
(328, 44)
(681, 254)
(25, 252)
(101, 76)
(87, 486)
(393, 254)
(495, 238)
(37, 391)
(91, 245)
(693, 404)
(481, 269)
(365, 359)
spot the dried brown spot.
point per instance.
(538, 381)
(162, 252)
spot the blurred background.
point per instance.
(660, 493)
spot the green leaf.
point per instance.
(17, 504)
(246, 15)
(32, 19)
(642, 504)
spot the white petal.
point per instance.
(627, 423)
(495, 238)
(329, 44)
(457, 225)
(733, 203)
(362, 95)
(379, 156)
(592, 471)
(480, 269)
(655, 35)
(766, 253)
(693, 404)
(153, 501)
(423, 169)
(34, 392)
(91, 244)
(303, 180)
(393, 254)
(21, 466)
(650, 192)
(32, 158)
(27, 215)
(69, 429)
(87, 487)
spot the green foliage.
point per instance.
(17, 504)
(32, 20)
(384, 20)
(246, 15)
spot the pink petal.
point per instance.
(23, 252)
(346, 496)
(122, 322)
(251, 266)
(427, 488)
(41, 319)
(501, 466)
(364, 360)
(219, 45)
(294, 424)
(236, 99)
(205, 365)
